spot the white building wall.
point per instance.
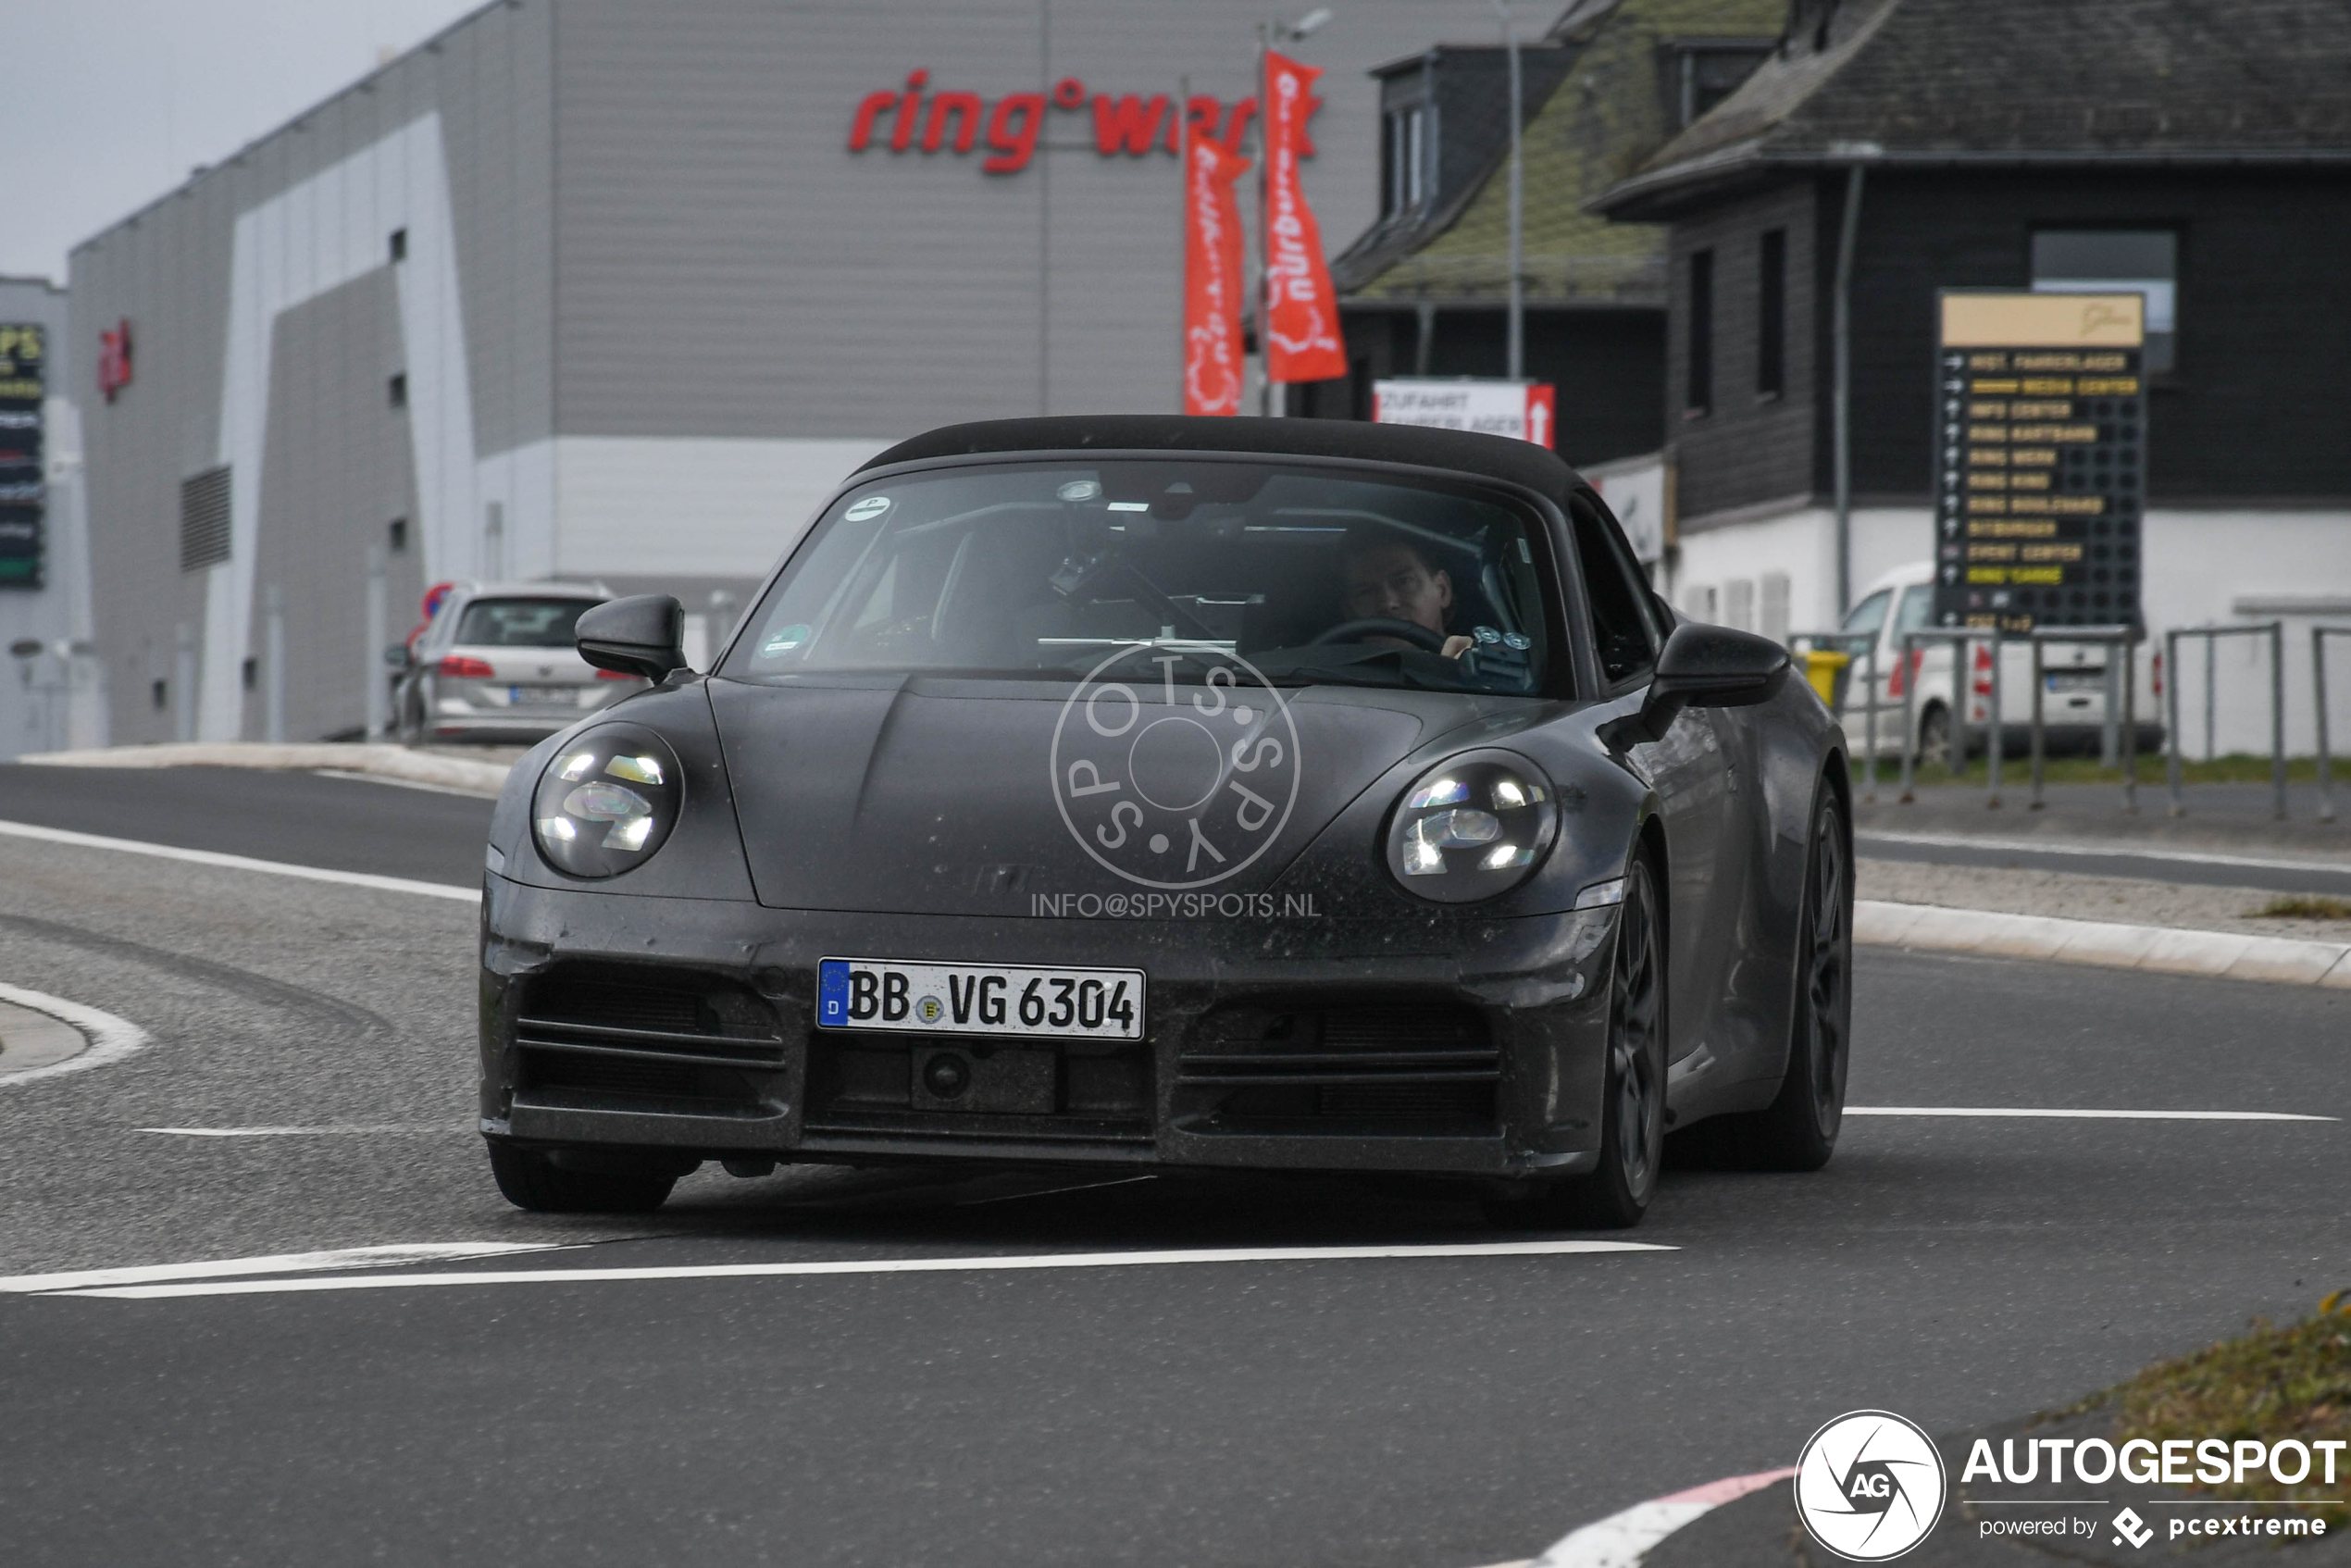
(2232, 567)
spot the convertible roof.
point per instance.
(1498, 457)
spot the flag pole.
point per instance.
(1265, 226)
(1183, 230)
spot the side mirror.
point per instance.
(398, 657)
(1709, 667)
(644, 634)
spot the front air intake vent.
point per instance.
(1416, 1065)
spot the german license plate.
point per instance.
(2077, 679)
(978, 999)
(542, 696)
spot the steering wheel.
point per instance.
(1413, 632)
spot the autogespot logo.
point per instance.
(1174, 765)
(1869, 1486)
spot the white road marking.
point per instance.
(1620, 1540)
(111, 1039)
(242, 862)
(284, 1263)
(2083, 1116)
(306, 1132)
(2112, 849)
(875, 1265)
(358, 777)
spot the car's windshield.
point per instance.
(1043, 571)
(519, 623)
(1870, 614)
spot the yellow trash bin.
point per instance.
(1825, 667)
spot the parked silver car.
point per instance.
(497, 664)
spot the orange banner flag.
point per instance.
(1213, 281)
(1303, 334)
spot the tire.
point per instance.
(1934, 738)
(1797, 1131)
(1633, 1097)
(531, 1180)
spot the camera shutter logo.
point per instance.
(1869, 1486)
(1174, 783)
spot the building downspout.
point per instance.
(1841, 387)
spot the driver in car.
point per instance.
(1390, 578)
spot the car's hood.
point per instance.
(909, 795)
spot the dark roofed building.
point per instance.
(1424, 288)
(2196, 151)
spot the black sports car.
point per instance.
(1157, 792)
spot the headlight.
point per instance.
(606, 801)
(1476, 826)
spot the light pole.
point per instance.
(1517, 333)
(1268, 34)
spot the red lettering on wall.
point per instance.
(909, 112)
(1126, 125)
(965, 108)
(860, 129)
(1014, 144)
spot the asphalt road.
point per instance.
(307, 818)
(1435, 1411)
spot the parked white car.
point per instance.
(496, 664)
(2074, 673)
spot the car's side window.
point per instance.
(1623, 627)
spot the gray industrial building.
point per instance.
(612, 292)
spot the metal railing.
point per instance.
(2319, 635)
(2275, 632)
(2115, 638)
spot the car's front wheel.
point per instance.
(1633, 1100)
(533, 1179)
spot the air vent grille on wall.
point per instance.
(203, 519)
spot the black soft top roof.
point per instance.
(1498, 457)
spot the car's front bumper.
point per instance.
(1474, 1048)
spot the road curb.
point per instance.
(2155, 949)
(383, 762)
(109, 1039)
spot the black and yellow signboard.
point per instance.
(2040, 459)
(23, 366)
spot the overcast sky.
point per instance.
(110, 102)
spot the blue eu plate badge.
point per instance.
(832, 992)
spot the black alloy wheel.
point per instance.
(531, 1179)
(1633, 1098)
(1797, 1131)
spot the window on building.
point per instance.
(1773, 619)
(396, 390)
(1705, 74)
(1770, 315)
(2117, 261)
(160, 693)
(1404, 160)
(250, 674)
(400, 244)
(396, 535)
(203, 519)
(1739, 604)
(1701, 393)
